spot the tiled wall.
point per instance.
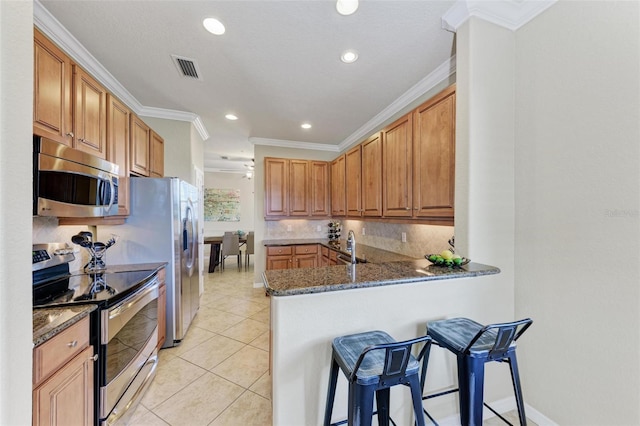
(421, 239)
(47, 230)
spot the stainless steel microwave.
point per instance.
(71, 183)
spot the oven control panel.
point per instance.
(52, 254)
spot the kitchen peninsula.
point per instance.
(311, 306)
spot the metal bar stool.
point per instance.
(474, 345)
(373, 362)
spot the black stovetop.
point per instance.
(105, 288)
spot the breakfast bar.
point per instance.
(310, 307)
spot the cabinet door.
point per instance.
(337, 186)
(156, 160)
(372, 176)
(90, 114)
(67, 397)
(306, 261)
(434, 157)
(139, 147)
(320, 192)
(52, 86)
(353, 184)
(162, 314)
(396, 168)
(299, 188)
(279, 262)
(118, 122)
(276, 184)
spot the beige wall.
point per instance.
(232, 181)
(577, 162)
(16, 112)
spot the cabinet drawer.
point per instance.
(51, 355)
(306, 249)
(279, 250)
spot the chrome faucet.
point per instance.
(351, 246)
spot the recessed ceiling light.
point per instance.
(349, 56)
(213, 26)
(231, 117)
(346, 7)
(305, 126)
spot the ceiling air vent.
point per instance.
(187, 67)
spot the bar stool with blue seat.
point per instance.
(474, 345)
(373, 362)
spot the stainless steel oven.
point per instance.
(71, 183)
(125, 325)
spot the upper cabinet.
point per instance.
(372, 176)
(118, 131)
(397, 168)
(156, 155)
(338, 206)
(90, 114)
(139, 146)
(434, 156)
(52, 88)
(353, 184)
(296, 188)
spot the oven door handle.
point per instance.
(118, 316)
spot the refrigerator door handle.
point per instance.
(189, 243)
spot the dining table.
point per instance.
(216, 242)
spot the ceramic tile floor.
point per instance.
(219, 375)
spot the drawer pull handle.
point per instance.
(73, 344)
(93, 358)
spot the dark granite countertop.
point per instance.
(132, 267)
(364, 253)
(289, 282)
(47, 322)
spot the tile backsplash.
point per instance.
(47, 230)
(420, 239)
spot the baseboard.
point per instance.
(503, 406)
(258, 285)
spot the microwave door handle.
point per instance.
(111, 195)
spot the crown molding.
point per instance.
(53, 29)
(294, 144)
(444, 71)
(510, 14)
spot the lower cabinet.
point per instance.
(162, 314)
(289, 257)
(63, 378)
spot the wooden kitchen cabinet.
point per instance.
(434, 157)
(397, 167)
(63, 378)
(353, 184)
(372, 176)
(118, 129)
(139, 147)
(338, 202)
(90, 114)
(320, 189)
(52, 91)
(296, 188)
(290, 257)
(156, 153)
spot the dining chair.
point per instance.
(249, 249)
(231, 247)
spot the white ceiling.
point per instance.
(276, 66)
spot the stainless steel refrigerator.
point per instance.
(163, 227)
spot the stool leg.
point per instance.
(382, 402)
(361, 404)
(331, 392)
(416, 396)
(471, 384)
(515, 378)
(425, 363)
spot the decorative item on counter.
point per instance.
(447, 258)
(334, 231)
(97, 250)
(240, 232)
(451, 242)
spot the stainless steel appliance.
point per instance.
(71, 183)
(124, 327)
(163, 227)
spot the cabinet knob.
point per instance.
(407, 208)
(73, 344)
(82, 139)
(415, 208)
(70, 134)
(93, 358)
